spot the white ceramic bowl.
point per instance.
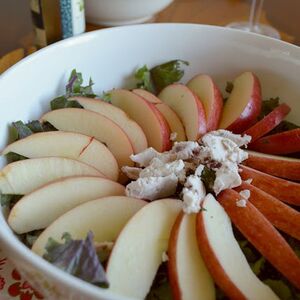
(110, 56)
(122, 12)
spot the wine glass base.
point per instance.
(260, 28)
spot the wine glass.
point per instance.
(253, 25)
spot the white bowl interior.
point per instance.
(110, 58)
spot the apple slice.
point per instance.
(285, 167)
(147, 95)
(243, 105)
(224, 257)
(105, 217)
(279, 214)
(96, 125)
(146, 115)
(268, 123)
(70, 145)
(137, 253)
(280, 143)
(209, 94)
(132, 129)
(24, 176)
(284, 190)
(171, 117)
(39, 209)
(188, 108)
(262, 235)
(188, 274)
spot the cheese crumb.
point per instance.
(245, 194)
(241, 203)
(144, 158)
(173, 136)
(164, 257)
(249, 181)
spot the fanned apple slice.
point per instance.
(138, 250)
(262, 235)
(279, 214)
(224, 257)
(24, 176)
(280, 143)
(243, 105)
(105, 217)
(96, 125)
(188, 108)
(268, 123)
(284, 190)
(39, 209)
(132, 129)
(285, 167)
(70, 145)
(169, 114)
(209, 94)
(188, 275)
(146, 115)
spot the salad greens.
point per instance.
(208, 176)
(78, 258)
(155, 79)
(9, 200)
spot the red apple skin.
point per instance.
(279, 214)
(268, 123)
(284, 190)
(172, 253)
(215, 105)
(212, 263)
(252, 110)
(202, 118)
(284, 167)
(262, 235)
(280, 143)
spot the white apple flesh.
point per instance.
(105, 217)
(189, 277)
(224, 257)
(243, 105)
(146, 115)
(40, 208)
(137, 253)
(210, 96)
(188, 108)
(70, 145)
(24, 176)
(96, 125)
(132, 129)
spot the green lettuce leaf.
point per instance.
(208, 176)
(9, 200)
(63, 102)
(155, 79)
(77, 257)
(280, 288)
(267, 106)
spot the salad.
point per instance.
(164, 191)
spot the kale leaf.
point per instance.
(155, 79)
(77, 257)
(208, 176)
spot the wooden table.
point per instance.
(283, 15)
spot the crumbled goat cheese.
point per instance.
(218, 150)
(193, 194)
(151, 188)
(173, 136)
(144, 158)
(245, 194)
(227, 176)
(241, 203)
(249, 181)
(132, 172)
(164, 257)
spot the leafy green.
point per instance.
(77, 257)
(30, 237)
(106, 97)
(155, 79)
(229, 87)
(284, 126)
(208, 176)
(12, 156)
(160, 289)
(280, 288)
(74, 88)
(267, 106)
(19, 130)
(9, 200)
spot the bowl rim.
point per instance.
(7, 237)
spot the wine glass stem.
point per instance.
(255, 11)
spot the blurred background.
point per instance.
(16, 29)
